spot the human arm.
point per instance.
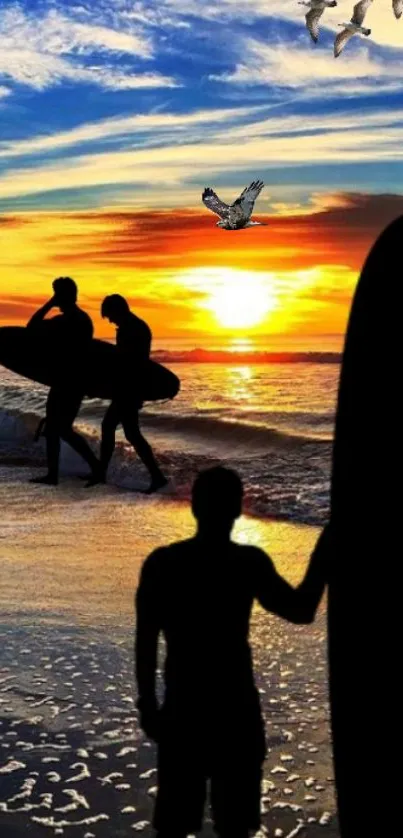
(298, 605)
(146, 645)
(40, 315)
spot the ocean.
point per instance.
(272, 422)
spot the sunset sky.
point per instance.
(115, 115)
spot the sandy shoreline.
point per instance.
(70, 748)
(73, 555)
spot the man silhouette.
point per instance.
(69, 334)
(133, 343)
(199, 593)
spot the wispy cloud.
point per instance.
(42, 50)
(175, 165)
(4, 91)
(40, 71)
(293, 66)
(54, 33)
(313, 122)
(124, 128)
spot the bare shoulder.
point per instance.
(154, 559)
(150, 574)
(167, 555)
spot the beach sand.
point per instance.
(72, 758)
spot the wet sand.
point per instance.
(72, 759)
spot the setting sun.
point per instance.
(237, 299)
(242, 300)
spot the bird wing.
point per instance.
(359, 11)
(243, 206)
(341, 40)
(215, 204)
(312, 23)
(397, 8)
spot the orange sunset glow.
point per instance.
(189, 279)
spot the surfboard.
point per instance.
(25, 353)
(365, 518)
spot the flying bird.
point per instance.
(317, 7)
(397, 8)
(235, 216)
(355, 26)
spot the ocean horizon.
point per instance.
(270, 420)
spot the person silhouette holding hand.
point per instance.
(70, 335)
(133, 343)
(199, 594)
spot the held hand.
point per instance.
(324, 551)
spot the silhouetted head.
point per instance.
(217, 499)
(115, 308)
(65, 290)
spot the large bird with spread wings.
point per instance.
(235, 216)
(353, 27)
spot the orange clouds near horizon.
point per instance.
(177, 269)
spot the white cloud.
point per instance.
(114, 79)
(316, 122)
(292, 66)
(28, 67)
(40, 71)
(124, 128)
(155, 17)
(242, 10)
(4, 91)
(56, 34)
(43, 51)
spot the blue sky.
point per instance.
(142, 104)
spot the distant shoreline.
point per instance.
(206, 356)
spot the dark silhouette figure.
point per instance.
(133, 342)
(199, 594)
(70, 334)
(363, 608)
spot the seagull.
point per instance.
(317, 7)
(397, 8)
(235, 216)
(355, 25)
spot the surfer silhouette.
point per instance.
(69, 335)
(133, 343)
(199, 594)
